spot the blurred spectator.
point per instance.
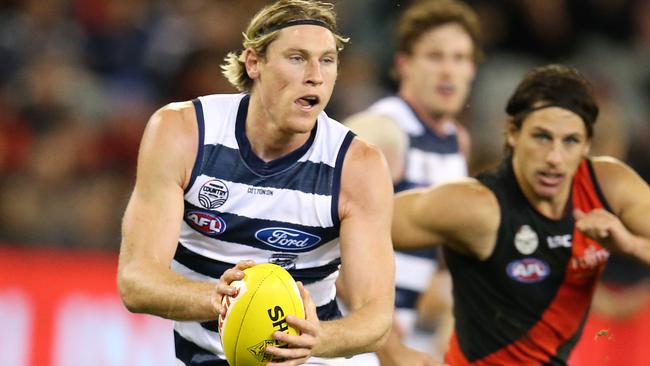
(33, 29)
(78, 79)
(199, 74)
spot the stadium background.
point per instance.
(79, 78)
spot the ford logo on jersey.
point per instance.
(205, 222)
(528, 270)
(285, 238)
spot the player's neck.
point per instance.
(554, 208)
(268, 140)
(435, 121)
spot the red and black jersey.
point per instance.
(527, 303)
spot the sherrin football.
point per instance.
(263, 299)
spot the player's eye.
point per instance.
(542, 137)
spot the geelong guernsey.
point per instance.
(431, 159)
(527, 303)
(240, 207)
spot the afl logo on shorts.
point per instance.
(528, 270)
(213, 194)
(205, 222)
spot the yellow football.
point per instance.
(264, 298)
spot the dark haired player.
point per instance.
(527, 242)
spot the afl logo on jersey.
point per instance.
(526, 240)
(213, 194)
(286, 238)
(205, 222)
(528, 270)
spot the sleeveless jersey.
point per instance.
(527, 303)
(239, 207)
(431, 159)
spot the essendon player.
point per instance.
(527, 242)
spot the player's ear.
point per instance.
(252, 63)
(512, 131)
(400, 64)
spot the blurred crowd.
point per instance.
(79, 79)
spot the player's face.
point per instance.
(439, 72)
(547, 151)
(296, 78)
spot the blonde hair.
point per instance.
(264, 27)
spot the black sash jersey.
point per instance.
(527, 303)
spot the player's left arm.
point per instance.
(367, 259)
(627, 229)
(365, 209)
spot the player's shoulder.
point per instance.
(174, 112)
(366, 183)
(616, 179)
(365, 169)
(608, 164)
(173, 126)
(611, 172)
(362, 153)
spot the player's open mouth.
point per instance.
(550, 179)
(446, 89)
(307, 102)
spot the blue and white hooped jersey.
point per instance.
(431, 159)
(240, 207)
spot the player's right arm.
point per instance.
(463, 215)
(151, 224)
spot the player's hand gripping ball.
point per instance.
(263, 299)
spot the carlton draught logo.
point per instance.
(213, 194)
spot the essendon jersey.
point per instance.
(527, 303)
